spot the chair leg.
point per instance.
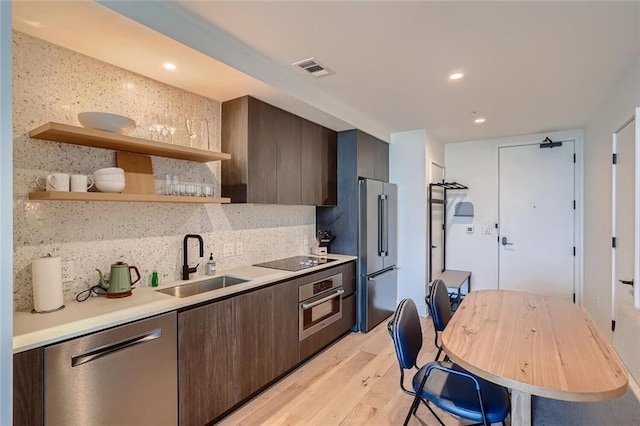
(434, 413)
(412, 410)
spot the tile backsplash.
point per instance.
(51, 83)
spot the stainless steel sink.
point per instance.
(186, 290)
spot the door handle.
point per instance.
(627, 282)
(505, 242)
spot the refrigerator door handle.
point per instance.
(384, 229)
(386, 225)
(380, 224)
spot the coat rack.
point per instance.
(444, 186)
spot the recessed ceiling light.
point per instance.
(35, 24)
(456, 76)
(169, 66)
(477, 118)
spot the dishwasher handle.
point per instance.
(115, 347)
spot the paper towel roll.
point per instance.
(47, 283)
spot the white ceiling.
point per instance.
(530, 67)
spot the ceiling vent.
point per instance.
(314, 68)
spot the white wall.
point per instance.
(6, 217)
(614, 110)
(410, 154)
(475, 164)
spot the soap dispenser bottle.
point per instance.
(210, 267)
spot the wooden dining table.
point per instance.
(533, 345)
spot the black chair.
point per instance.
(439, 306)
(444, 384)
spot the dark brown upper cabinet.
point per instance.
(373, 157)
(288, 154)
(319, 164)
(276, 157)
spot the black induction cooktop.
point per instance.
(295, 263)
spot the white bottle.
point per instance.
(210, 267)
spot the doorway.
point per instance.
(625, 323)
(537, 214)
(436, 175)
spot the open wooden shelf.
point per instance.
(103, 196)
(67, 133)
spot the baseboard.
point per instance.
(633, 385)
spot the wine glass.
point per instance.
(156, 124)
(171, 125)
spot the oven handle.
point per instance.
(321, 301)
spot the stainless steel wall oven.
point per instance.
(320, 305)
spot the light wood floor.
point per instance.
(353, 382)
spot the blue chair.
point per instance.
(439, 306)
(443, 384)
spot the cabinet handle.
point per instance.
(115, 347)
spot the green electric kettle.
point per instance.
(119, 283)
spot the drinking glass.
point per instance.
(207, 190)
(176, 187)
(198, 129)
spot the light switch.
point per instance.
(486, 230)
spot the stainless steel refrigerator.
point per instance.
(377, 252)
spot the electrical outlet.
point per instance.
(239, 250)
(227, 249)
(67, 271)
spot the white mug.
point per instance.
(80, 183)
(54, 182)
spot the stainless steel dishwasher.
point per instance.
(123, 376)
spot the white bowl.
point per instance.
(109, 171)
(109, 186)
(108, 122)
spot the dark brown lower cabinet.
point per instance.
(231, 349)
(252, 342)
(205, 374)
(28, 387)
(228, 350)
(285, 351)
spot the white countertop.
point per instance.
(98, 313)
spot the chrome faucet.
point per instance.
(186, 270)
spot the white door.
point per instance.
(626, 318)
(537, 209)
(436, 175)
(624, 215)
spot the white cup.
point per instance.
(54, 182)
(80, 183)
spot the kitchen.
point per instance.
(279, 234)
